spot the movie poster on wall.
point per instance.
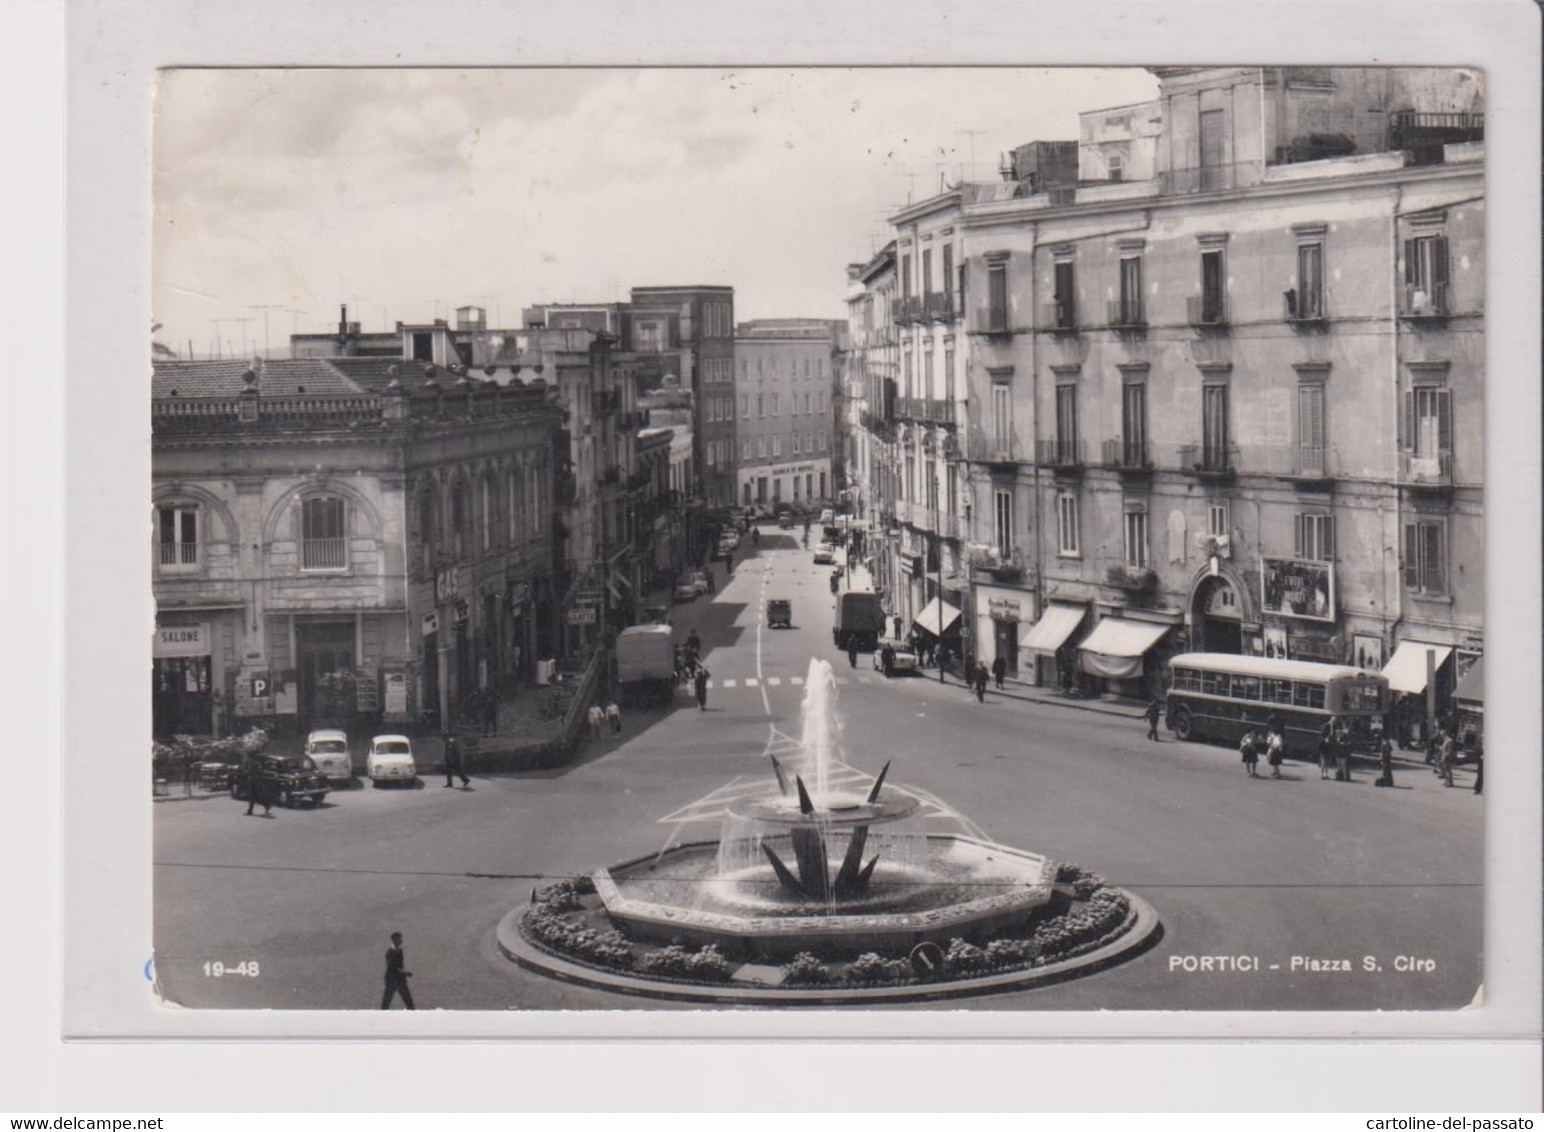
(1291, 587)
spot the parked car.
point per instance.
(699, 581)
(825, 554)
(391, 760)
(785, 521)
(903, 659)
(329, 751)
(779, 613)
(289, 778)
(687, 591)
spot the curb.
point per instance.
(1144, 933)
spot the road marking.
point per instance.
(796, 679)
(844, 680)
(750, 681)
(775, 681)
(729, 683)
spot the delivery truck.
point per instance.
(860, 619)
(646, 664)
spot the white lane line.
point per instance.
(766, 704)
(729, 683)
(844, 680)
(775, 681)
(750, 682)
(796, 679)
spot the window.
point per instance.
(949, 373)
(761, 405)
(1117, 166)
(1067, 525)
(536, 483)
(795, 444)
(1310, 429)
(997, 298)
(820, 400)
(947, 276)
(906, 277)
(777, 446)
(745, 448)
(930, 479)
(1066, 423)
(1217, 520)
(906, 373)
(423, 347)
(927, 271)
(761, 447)
(179, 537)
(486, 513)
(806, 367)
(323, 543)
(1213, 287)
(822, 442)
(1064, 294)
(745, 369)
(1215, 683)
(1425, 556)
(1002, 502)
(1002, 419)
(806, 404)
(1130, 311)
(820, 367)
(712, 452)
(1426, 275)
(1134, 424)
(1310, 281)
(1214, 427)
(927, 373)
(1246, 687)
(1308, 695)
(1427, 422)
(745, 406)
(1136, 539)
(1313, 537)
(774, 404)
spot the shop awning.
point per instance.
(938, 610)
(1115, 648)
(1059, 621)
(1471, 689)
(1406, 669)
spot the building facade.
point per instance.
(783, 395)
(343, 549)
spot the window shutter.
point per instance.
(1297, 536)
(1410, 279)
(1412, 556)
(1444, 420)
(1435, 574)
(1329, 539)
(1407, 421)
(1439, 261)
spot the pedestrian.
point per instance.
(712, 585)
(702, 689)
(614, 717)
(981, 676)
(1386, 762)
(897, 626)
(1272, 755)
(999, 670)
(490, 712)
(1479, 767)
(1445, 754)
(693, 644)
(453, 762)
(1342, 756)
(1154, 713)
(887, 660)
(258, 793)
(397, 975)
(596, 719)
(1326, 749)
(1250, 756)
(1277, 725)
(852, 651)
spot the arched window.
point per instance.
(324, 535)
(178, 528)
(460, 517)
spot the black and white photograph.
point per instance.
(988, 539)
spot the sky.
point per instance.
(408, 193)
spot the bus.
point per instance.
(1221, 695)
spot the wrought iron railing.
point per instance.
(1127, 313)
(1208, 459)
(1055, 452)
(1059, 314)
(1304, 307)
(323, 553)
(1127, 454)
(1207, 310)
(179, 554)
(1434, 470)
(1429, 301)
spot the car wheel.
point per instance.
(1181, 723)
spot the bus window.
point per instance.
(1283, 692)
(1300, 692)
(1185, 680)
(1246, 687)
(1360, 697)
(1214, 683)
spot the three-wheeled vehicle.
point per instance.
(779, 613)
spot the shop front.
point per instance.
(1420, 676)
(1052, 641)
(1122, 654)
(182, 680)
(939, 624)
(1469, 706)
(1004, 619)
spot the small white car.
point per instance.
(687, 591)
(391, 760)
(699, 581)
(329, 751)
(904, 658)
(825, 554)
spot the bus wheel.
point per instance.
(1181, 723)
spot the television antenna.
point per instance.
(265, 308)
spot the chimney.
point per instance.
(343, 321)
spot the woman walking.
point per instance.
(1326, 750)
(1386, 762)
(1273, 755)
(1251, 757)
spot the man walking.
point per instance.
(396, 975)
(999, 670)
(596, 719)
(980, 681)
(1386, 762)
(852, 652)
(453, 763)
(1154, 712)
(702, 688)
(258, 793)
(614, 717)
(1479, 767)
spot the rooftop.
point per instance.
(312, 377)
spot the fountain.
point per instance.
(819, 863)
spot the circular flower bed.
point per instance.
(568, 920)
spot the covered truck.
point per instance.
(646, 664)
(860, 618)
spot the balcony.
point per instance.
(1419, 304)
(179, 554)
(1424, 133)
(324, 554)
(924, 518)
(902, 511)
(1304, 310)
(948, 525)
(1311, 465)
(1002, 567)
(939, 306)
(1060, 316)
(1426, 473)
(1208, 312)
(1127, 315)
(908, 309)
(1210, 462)
(1135, 580)
(1061, 456)
(1129, 457)
(994, 450)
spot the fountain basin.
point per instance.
(955, 887)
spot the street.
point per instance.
(1291, 894)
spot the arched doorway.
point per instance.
(1218, 616)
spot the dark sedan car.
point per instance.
(288, 779)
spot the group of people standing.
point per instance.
(1270, 742)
